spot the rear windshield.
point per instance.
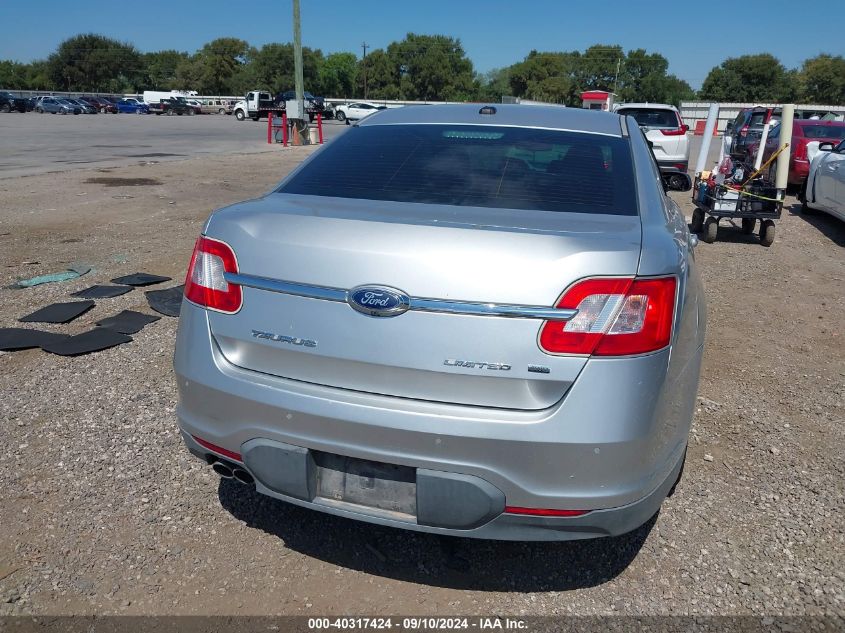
(480, 166)
(824, 131)
(650, 117)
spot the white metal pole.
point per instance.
(712, 117)
(786, 118)
(760, 150)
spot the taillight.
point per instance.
(743, 131)
(682, 129)
(800, 150)
(205, 284)
(616, 317)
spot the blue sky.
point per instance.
(494, 32)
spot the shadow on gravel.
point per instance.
(831, 227)
(428, 559)
(731, 233)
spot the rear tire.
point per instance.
(711, 230)
(6, 107)
(340, 116)
(767, 232)
(748, 225)
(697, 221)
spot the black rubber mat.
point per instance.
(58, 312)
(128, 321)
(166, 302)
(140, 279)
(102, 292)
(92, 341)
(14, 338)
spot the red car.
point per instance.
(803, 131)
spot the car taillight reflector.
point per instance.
(225, 452)
(616, 317)
(545, 512)
(205, 284)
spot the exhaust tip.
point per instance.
(243, 476)
(222, 469)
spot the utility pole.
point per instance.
(616, 78)
(365, 46)
(297, 62)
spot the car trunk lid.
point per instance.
(477, 255)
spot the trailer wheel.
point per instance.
(239, 115)
(711, 229)
(748, 225)
(697, 221)
(767, 232)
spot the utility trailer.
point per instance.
(257, 105)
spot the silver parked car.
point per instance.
(56, 105)
(487, 322)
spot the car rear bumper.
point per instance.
(615, 456)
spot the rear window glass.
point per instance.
(824, 131)
(648, 117)
(480, 166)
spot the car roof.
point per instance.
(654, 106)
(510, 115)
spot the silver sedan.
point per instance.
(476, 321)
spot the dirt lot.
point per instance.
(103, 511)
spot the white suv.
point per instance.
(665, 130)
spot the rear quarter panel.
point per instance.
(667, 250)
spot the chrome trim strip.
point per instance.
(287, 287)
(420, 304)
(491, 309)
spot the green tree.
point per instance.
(547, 77)
(494, 84)
(160, 69)
(822, 80)
(338, 75)
(13, 75)
(272, 68)
(94, 63)
(219, 61)
(749, 78)
(420, 68)
(378, 77)
(597, 67)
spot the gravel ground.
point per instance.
(104, 512)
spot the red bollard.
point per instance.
(269, 128)
(285, 129)
(320, 126)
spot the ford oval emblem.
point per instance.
(378, 301)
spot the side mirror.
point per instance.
(676, 180)
(685, 128)
(825, 147)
